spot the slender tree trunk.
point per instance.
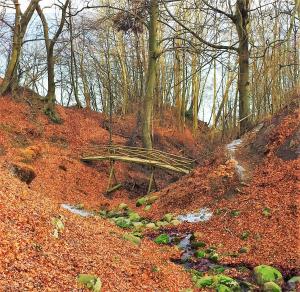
(20, 27)
(242, 23)
(151, 74)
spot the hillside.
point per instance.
(40, 169)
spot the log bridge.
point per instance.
(151, 157)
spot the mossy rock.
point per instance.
(90, 281)
(138, 225)
(147, 208)
(266, 212)
(152, 199)
(151, 225)
(271, 287)
(245, 235)
(205, 281)
(196, 244)
(214, 257)
(225, 280)
(223, 288)
(123, 222)
(123, 206)
(162, 239)
(141, 201)
(134, 217)
(264, 274)
(175, 222)
(235, 213)
(132, 238)
(168, 217)
(200, 254)
(243, 249)
(161, 223)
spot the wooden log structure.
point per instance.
(150, 157)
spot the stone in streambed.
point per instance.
(132, 238)
(271, 287)
(205, 281)
(134, 217)
(162, 239)
(151, 225)
(264, 274)
(138, 225)
(175, 222)
(123, 206)
(168, 217)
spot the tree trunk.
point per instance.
(242, 23)
(20, 27)
(151, 75)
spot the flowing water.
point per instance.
(231, 150)
(204, 214)
(77, 211)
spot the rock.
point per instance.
(162, 239)
(293, 282)
(271, 287)
(24, 172)
(227, 281)
(134, 217)
(200, 254)
(90, 281)
(141, 201)
(243, 250)
(245, 235)
(175, 222)
(205, 281)
(223, 288)
(295, 279)
(123, 206)
(161, 223)
(147, 208)
(264, 274)
(132, 238)
(168, 217)
(197, 244)
(138, 225)
(123, 222)
(150, 225)
(214, 257)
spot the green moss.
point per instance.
(245, 235)
(132, 238)
(271, 287)
(162, 239)
(90, 281)
(264, 274)
(168, 217)
(235, 213)
(134, 217)
(223, 288)
(123, 222)
(200, 254)
(205, 281)
(123, 206)
(196, 244)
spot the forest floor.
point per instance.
(255, 219)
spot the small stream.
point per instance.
(233, 146)
(78, 211)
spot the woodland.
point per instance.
(149, 145)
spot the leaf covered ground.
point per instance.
(261, 215)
